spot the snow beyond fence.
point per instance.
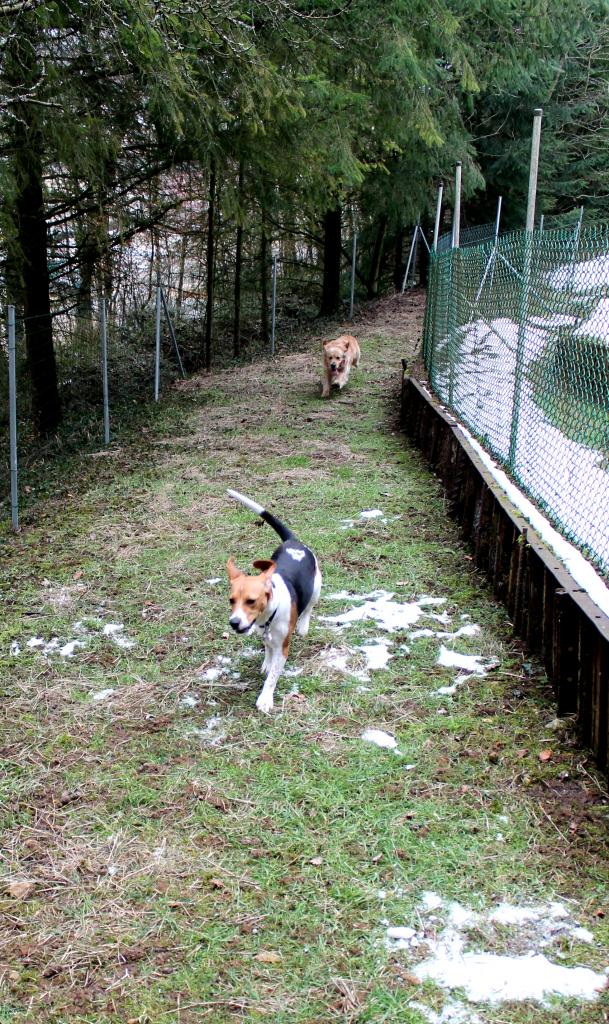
(570, 479)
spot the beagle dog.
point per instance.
(339, 356)
(277, 601)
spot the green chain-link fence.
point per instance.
(517, 346)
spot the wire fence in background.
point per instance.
(516, 344)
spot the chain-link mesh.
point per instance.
(476, 235)
(517, 346)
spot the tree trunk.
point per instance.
(238, 263)
(330, 298)
(182, 268)
(377, 258)
(264, 299)
(209, 309)
(29, 216)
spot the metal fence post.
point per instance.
(104, 367)
(157, 347)
(274, 311)
(353, 259)
(172, 335)
(436, 228)
(457, 209)
(519, 367)
(456, 233)
(410, 254)
(12, 391)
(541, 225)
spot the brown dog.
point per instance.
(339, 356)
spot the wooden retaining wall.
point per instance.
(555, 617)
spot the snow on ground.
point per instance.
(581, 277)
(368, 515)
(114, 631)
(211, 733)
(454, 960)
(380, 607)
(380, 738)
(390, 615)
(566, 475)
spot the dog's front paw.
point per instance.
(265, 703)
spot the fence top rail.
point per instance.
(591, 238)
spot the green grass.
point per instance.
(164, 865)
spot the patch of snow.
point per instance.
(495, 978)
(417, 633)
(67, 651)
(335, 659)
(14, 650)
(211, 732)
(380, 738)
(453, 1012)
(348, 595)
(212, 673)
(189, 701)
(215, 579)
(114, 630)
(372, 513)
(377, 654)
(474, 664)
(580, 277)
(388, 614)
(401, 934)
(102, 694)
(492, 978)
(35, 642)
(431, 901)
(291, 673)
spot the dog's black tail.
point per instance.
(268, 517)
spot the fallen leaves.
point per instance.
(545, 755)
(21, 889)
(268, 956)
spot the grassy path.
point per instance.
(170, 856)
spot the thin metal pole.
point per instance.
(436, 229)
(579, 225)
(534, 168)
(541, 225)
(104, 367)
(157, 347)
(172, 335)
(353, 259)
(457, 209)
(524, 294)
(274, 313)
(412, 247)
(498, 218)
(12, 390)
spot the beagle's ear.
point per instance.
(265, 565)
(232, 569)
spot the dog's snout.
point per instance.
(234, 622)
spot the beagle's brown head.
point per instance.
(249, 595)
